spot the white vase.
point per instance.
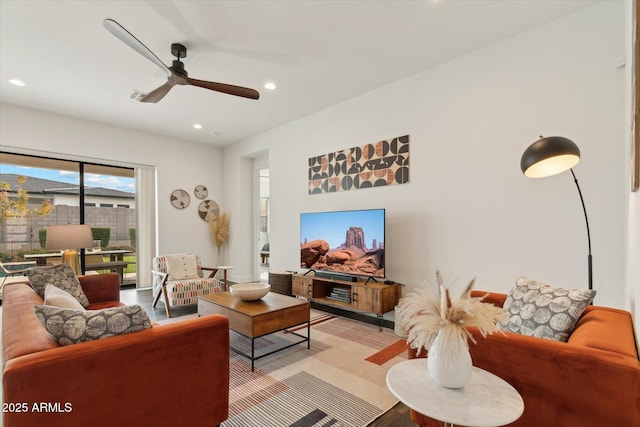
(450, 372)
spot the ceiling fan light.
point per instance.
(549, 156)
(270, 85)
(197, 126)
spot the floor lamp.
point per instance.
(69, 238)
(551, 156)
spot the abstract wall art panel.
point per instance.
(371, 165)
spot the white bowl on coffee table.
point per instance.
(250, 291)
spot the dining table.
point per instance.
(114, 255)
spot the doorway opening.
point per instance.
(262, 257)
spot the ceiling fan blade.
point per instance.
(120, 32)
(244, 92)
(158, 93)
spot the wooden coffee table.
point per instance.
(254, 319)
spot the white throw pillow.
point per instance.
(58, 298)
(182, 267)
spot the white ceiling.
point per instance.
(319, 53)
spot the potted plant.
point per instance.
(437, 322)
(219, 230)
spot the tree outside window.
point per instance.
(15, 210)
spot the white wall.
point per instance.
(633, 257)
(633, 248)
(179, 164)
(468, 211)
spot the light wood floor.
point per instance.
(398, 416)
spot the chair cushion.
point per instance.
(182, 266)
(539, 310)
(70, 326)
(60, 276)
(58, 298)
(185, 292)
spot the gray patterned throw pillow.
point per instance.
(539, 310)
(61, 276)
(69, 326)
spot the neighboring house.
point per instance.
(63, 193)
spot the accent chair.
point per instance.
(180, 279)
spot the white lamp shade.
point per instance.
(552, 166)
(70, 236)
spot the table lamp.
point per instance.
(551, 156)
(69, 238)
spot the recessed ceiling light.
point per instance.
(17, 82)
(197, 126)
(270, 85)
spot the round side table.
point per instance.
(224, 268)
(486, 400)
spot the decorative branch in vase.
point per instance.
(219, 230)
(437, 322)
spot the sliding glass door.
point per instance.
(38, 191)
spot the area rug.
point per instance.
(331, 384)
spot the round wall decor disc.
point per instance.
(180, 199)
(201, 192)
(208, 210)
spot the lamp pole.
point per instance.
(586, 220)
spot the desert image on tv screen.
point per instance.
(348, 242)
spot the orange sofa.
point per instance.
(591, 380)
(169, 375)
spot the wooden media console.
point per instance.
(370, 297)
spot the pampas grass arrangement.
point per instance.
(219, 230)
(427, 312)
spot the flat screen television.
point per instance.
(344, 242)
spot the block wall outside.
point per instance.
(21, 234)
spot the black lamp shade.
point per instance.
(549, 156)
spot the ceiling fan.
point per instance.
(176, 74)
